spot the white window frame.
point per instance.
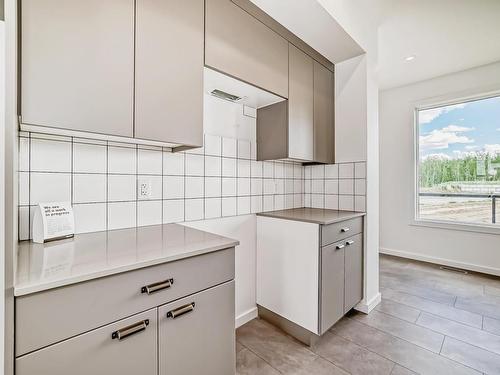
(436, 223)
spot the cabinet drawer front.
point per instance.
(353, 271)
(48, 317)
(196, 333)
(96, 352)
(339, 231)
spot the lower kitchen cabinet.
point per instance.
(332, 282)
(196, 333)
(354, 277)
(127, 347)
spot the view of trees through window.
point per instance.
(459, 162)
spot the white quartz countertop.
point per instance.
(313, 215)
(93, 255)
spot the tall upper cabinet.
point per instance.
(169, 71)
(241, 46)
(324, 114)
(77, 64)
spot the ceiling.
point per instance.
(445, 36)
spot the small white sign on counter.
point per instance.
(53, 221)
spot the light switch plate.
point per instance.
(145, 188)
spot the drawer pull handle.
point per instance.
(130, 330)
(348, 243)
(181, 310)
(341, 246)
(156, 287)
(344, 230)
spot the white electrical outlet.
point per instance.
(145, 189)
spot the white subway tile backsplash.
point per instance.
(173, 164)
(50, 156)
(229, 206)
(243, 186)
(194, 209)
(229, 167)
(213, 145)
(122, 160)
(213, 187)
(121, 188)
(229, 187)
(173, 187)
(244, 149)
(89, 188)
(213, 208)
(88, 158)
(346, 170)
(360, 170)
(149, 162)
(194, 165)
(213, 166)
(243, 168)
(229, 147)
(173, 211)
(103, 180)
(122, 215)
(149, 212)
(50, 187)
(193, 187)
(346, 187)
(244, 205)
(90, 217)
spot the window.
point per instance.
(458, 166)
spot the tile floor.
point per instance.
(430, 321)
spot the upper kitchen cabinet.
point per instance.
(324, 114)
(285, 130)
(77, 65)
(243, 47)
(169, 71)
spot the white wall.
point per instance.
(470, 250)
(2, 188)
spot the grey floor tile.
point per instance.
(319, 366)
(351, 357)
(247, 363)
(436, 308)
(492, 290)
(408, 355)
(239, 347)
(471, 335)
(469, 355)
(486, 305)
(400, 370)
(399, 310)
(491, 325)
(416, 290)
(420, 336)
(279, 350)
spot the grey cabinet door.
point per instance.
(353, 271)
(197, 334)
(243, 47)
(96, 352)
(332, 285)
(300, 105)
(77, 64)
(169, 71)
(324, 119)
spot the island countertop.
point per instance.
(99, 254)
(313, 215)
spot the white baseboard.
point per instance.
(246, 316)
(366, 307)
(445, 262)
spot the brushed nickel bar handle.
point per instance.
(181, 310)
(130, 330)
(348, 243)
(341, 246)
(156, 287)
(345, 229)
